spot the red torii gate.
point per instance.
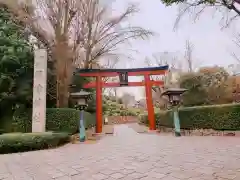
(123, 77)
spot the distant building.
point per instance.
(172, 78)
(141, 104)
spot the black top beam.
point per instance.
(122, 70)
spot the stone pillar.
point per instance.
(39, 91)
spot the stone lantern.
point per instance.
(81, 98)
(174, 97)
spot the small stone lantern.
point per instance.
(174, 97)
(81, 99)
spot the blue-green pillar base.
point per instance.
(177, 134)
(83, 139)
(82, 133)
(176, 122)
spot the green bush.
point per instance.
(57, 119)
(129, 112)
(62, 119)
(89, 120)
(111, 108)
(218, 117)
(22, 142)
(67, 120)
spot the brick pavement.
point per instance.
(127, 156)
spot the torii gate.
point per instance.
(123, 77)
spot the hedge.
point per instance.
(218, 117)
(22, 142)
(57, 119)
(67, 120)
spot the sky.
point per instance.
(212, 45)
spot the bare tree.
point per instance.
(236, 41)
(230, 10)
(127, 98)
(106, 33)
(76, 34)
(189, 56)
(114, 89)
(161, 59)
(164, 58)
(178, 65)
(109, 64)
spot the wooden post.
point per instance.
(99, 104)
(148, 89)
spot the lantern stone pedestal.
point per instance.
(82, 133)
(81, 98)
(174, 96)
(176, 122)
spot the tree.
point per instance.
(76, 33)
(210, 85)
(232, 8)
(127, 99)
(161, 59)
(189, 56)
(16, 67)
(215, 81)
(196, 94)
(237, 44)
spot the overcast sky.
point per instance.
(212, 46)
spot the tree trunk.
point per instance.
(63, 74)
(62, 92)
(115, 94)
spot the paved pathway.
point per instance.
(128, 155)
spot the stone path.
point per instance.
(139, 128)
(128, 155)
